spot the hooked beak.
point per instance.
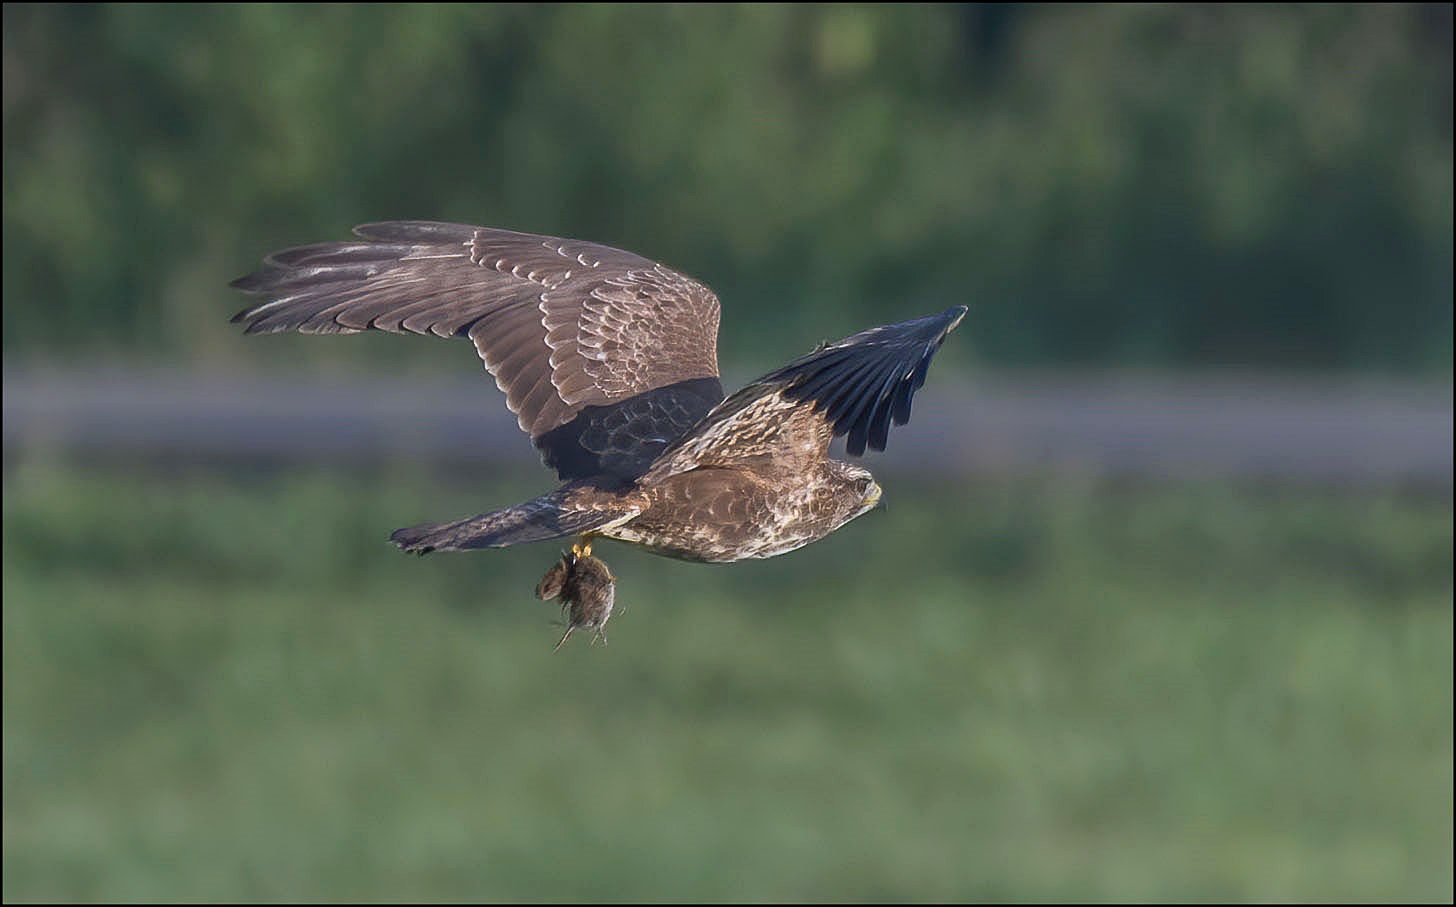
(872, 497)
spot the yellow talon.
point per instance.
(583, 548)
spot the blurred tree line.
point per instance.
(1104, 185)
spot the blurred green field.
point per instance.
(220, 686)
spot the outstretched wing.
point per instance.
(604, 356)
(786, 419)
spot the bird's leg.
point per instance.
(582, 548)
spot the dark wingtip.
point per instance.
(254, 283)
(253, 323)
(865, 382)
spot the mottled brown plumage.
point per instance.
(610, 363)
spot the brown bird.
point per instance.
(610, 363)
(587, 589)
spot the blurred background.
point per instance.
(1161, 606)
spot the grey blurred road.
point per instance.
(1361, 433)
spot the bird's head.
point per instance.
(863, 491)
(871, 498)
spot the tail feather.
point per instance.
(537, 520)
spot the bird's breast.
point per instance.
(726, 515)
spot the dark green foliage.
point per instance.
(1132, 185)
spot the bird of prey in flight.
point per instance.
(610, 363)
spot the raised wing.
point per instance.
(570, 330)
(786, 419)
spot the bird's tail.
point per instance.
(550, 516)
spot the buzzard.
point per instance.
(610, 363)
